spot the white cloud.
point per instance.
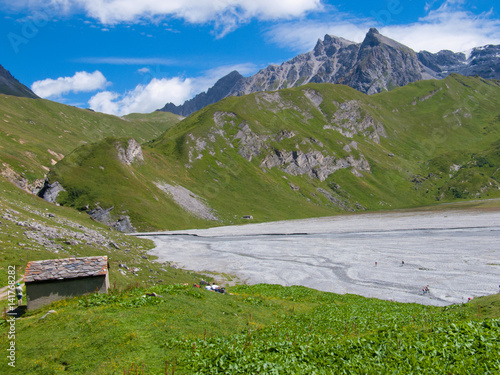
(80, 82)
(226, 14)
(448, 27)
(105, 102)
(144, 70)
(144, 98)
(149, 97)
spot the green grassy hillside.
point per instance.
(315, 150)
(36, 133)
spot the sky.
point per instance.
(125, 56)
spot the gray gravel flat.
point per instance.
(456, 253)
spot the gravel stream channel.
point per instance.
(390, 255)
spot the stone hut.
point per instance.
(54, 279)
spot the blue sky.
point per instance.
(122, 56)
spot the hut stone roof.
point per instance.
(68, 268)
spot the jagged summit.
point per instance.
(330, 45)
(11, 86)
(377, 64)
(373, 38)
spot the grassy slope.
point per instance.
(431, 127)
(256, 329)
(29, 128)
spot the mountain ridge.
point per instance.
(11, 86)
(374, 65)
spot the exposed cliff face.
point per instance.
(313, 163)
(330, 59)
(377, 64)
(381, 65)
(51, 191)
(351, 119)
(484, 62)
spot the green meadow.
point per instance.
(260, 329)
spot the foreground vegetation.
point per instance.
(261, 329)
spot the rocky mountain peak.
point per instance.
(372, 38)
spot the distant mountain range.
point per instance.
(377, 64)
(11, 86)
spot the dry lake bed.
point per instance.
(456, 253)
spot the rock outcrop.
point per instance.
(51, 191)
(314, 163)
(285, 150)
(103, 215)
(351, 119)
(133, 152)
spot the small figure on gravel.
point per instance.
(19, 294)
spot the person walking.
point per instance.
(19, 294)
